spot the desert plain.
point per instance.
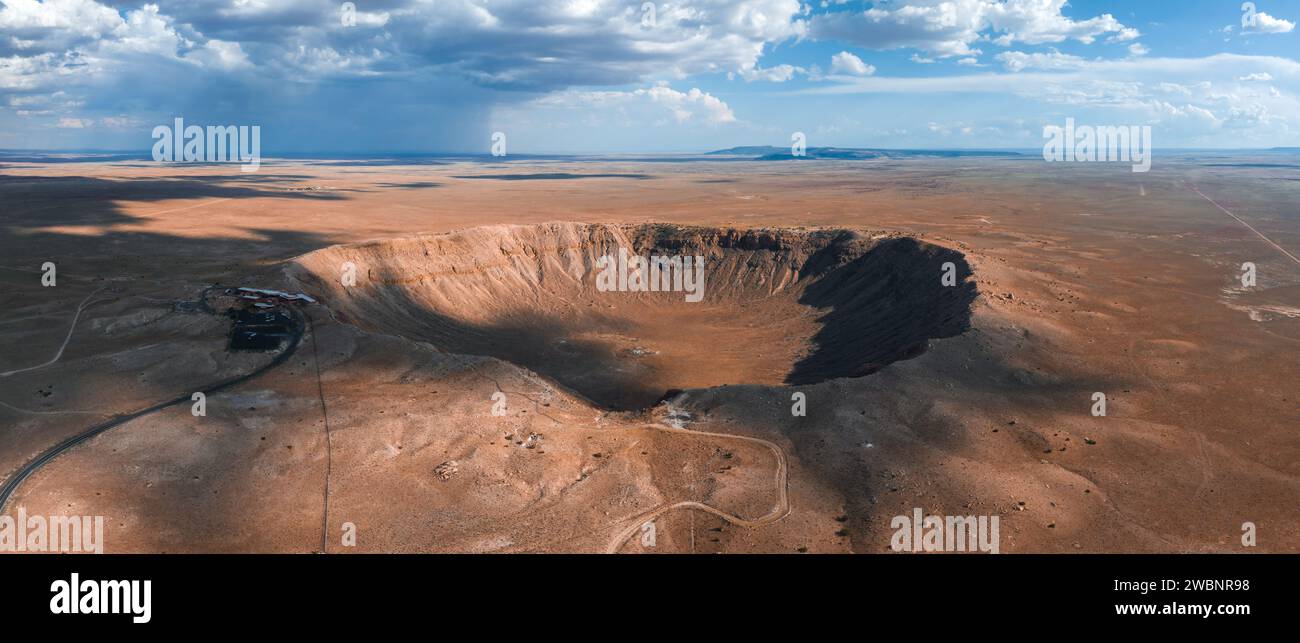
(473, 392)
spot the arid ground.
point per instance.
(473, 392)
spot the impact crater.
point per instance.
(778, 306)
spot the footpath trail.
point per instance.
(781, 510)
(59, 354)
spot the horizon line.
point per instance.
(292, 154)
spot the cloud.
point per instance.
(119, 122)
(522, 45)
(777, 74)
(1124, 35)
(415, 75)
(55, 42)
(691, 104)
(1019, 60)
(511, 44)
(1264, 23)
(649, 104)
(217, 54)
(1189, 101)
(55, 25)
(946, 130)
(945, 28)
(846, 63)
(294, 67)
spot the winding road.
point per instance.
(11, 485)
(781, 510)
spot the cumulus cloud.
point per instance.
(519, 44)
(846, 63)
(417, 74)
(648, 104)
(688, 105)
(55, 25)
(1264, 23)
(945, 28)
(262, 61)
(55, 42)
(530, 45)
(776, 74)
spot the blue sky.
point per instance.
(599, 76)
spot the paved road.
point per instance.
(11, 485)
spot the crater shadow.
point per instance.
(884, 306)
